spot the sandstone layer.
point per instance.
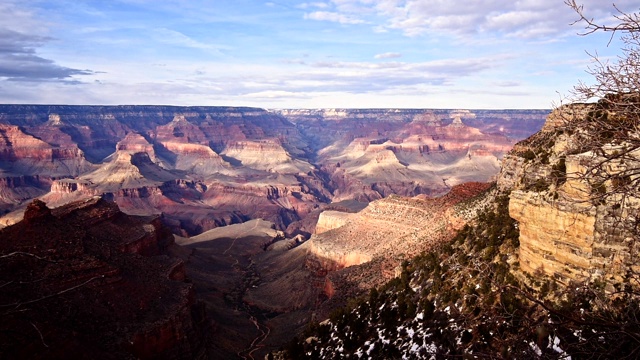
(567, 231)
(331, 219)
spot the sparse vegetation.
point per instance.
(608, 133)
(469, 299)
(559, 171)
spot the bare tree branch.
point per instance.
(22, 253)
(22, 303)
(39, 333)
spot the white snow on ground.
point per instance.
(535, 348)
(555, 345)
(410, 332)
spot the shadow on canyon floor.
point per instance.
(258, 299)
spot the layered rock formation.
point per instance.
(86, 279)
(370, 154)
(331, 219)
(391, 229)
(188, 147)
(204, 167)
(29, 165)
(566, 230)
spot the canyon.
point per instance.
(204, 167)
(279, 216)
(545, 265)
(161, 232)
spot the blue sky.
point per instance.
(296, 54)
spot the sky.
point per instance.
(477, 54)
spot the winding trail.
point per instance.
(257, 221)
(256, 344)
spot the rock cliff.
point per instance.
(565, 231)
(331, 219)
(86, 279)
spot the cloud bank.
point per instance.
(19, 60)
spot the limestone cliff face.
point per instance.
(564, 232)
(556, 237)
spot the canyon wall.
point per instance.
(96, 283)
(204, 167)
(567, 231)
(331, 219)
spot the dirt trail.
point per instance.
(256, 344)
(255, 225)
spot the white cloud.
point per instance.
(19, 19)
(507, 83)
(333, 17)
(22, 33)
(537, 19)
(388, 55)
(364, 77)
(319, 5)
(276, 94)
(172, 37)
(513, 19)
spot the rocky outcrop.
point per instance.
(565, 231)
(24, 154)
(266, 154)
(392, 229)
(330, 259)
(556, 238)
(16, 145)
(331, 219)
(107, 269)
(121, 172)
(135, 143)
(186, 147)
